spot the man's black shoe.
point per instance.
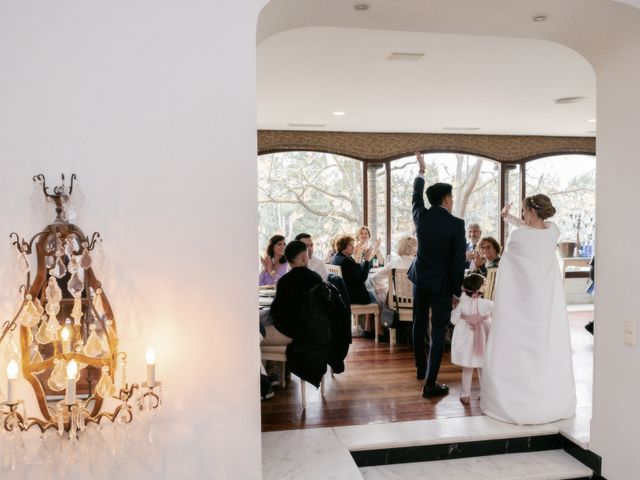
(436, 390)
(589, 327)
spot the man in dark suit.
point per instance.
(436, 273)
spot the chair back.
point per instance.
(335, 269)
(491, 283)
(402, 291)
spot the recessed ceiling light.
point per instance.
(539, 18)
(361, 7)
(307, 125)
(593, 120)
(462, 129)
(338, 114)
(405, 57)
(566, 100)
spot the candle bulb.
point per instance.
(151, 368)
(66, 344)
(12, 375)
(72, 371)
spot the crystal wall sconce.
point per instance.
(63, 338)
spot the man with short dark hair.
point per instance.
(436, 273)
(293, 287)
(315, 264)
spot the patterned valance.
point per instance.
(389, 146)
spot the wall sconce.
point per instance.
(68, 347)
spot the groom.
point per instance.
(436, 273)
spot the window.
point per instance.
(475, 180)
(570, 182)
(317, 193)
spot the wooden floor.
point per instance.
(381, 387)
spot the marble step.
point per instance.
(547, 465)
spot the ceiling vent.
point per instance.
(567, 100)
(405, 57)
(307, 125)
(462, 129)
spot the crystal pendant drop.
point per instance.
(50, 244)
(74, 264)
(85, 259)
(71, 245)
(49, 261)
(105, 387)
(39, 307)
(29, 316)
(76, 313)
(93, 348)
(53, 292)
(97, 303)
(75, 285)
(59, 246)
(57, 380)
(104, 342)
(52, 309)
(111, 331)
(36, 359)
(59, 270)
(43, 335)
(53, 327)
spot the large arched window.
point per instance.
(476, 185)
(317, 193)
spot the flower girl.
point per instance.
(472, 320)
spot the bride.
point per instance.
(528, 372)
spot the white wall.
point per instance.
(152, 104)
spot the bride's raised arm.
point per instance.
(513, 220)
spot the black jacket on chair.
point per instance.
(354, 275)
(439, 265)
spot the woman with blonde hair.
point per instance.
(363, 243)
(406, 250)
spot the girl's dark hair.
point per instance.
(272, 243)
(472, 283)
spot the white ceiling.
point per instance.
(500, 85)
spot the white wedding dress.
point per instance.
(528, 370)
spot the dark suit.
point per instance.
(354, 275)
(291, 295)
(436, 273)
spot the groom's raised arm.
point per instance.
(417, 201)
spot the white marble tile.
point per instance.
(549, 465)
(308, 454)
(430, 432)
(577, 428)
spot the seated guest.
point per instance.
(285, 315)
(363, 242)
(407, 248)
(474, 233)
(315, 264)
(274, 263)
(488, 255)
(355, 275)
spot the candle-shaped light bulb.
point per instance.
(12, 375)
(64, 336)
(72, 371)
(151, 367)
(12, 370)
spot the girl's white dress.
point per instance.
(528, 370)
(463, 339)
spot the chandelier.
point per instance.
(63, 338)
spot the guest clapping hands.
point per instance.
(274, 264)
